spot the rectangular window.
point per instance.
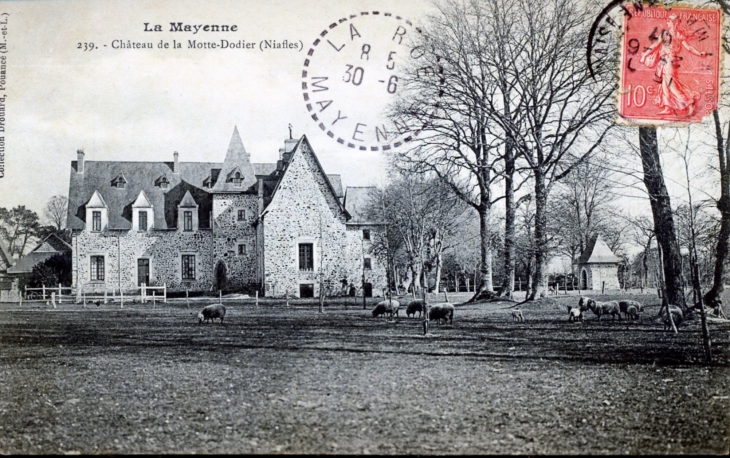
(367, 263)
(97, 268)
(142, 221)
(366, 234)
(306, 256)
(241, 248)
(187, 221)
(96, 221)
(188, 267)
(241, 215)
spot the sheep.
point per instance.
(677, 316)
(632, 312)
(582, 304)
(575, 314)
(211, 312)
(517, 315)
(604, 308)
(625, 304)
(387, 306)
(443, 311)
(413, 307)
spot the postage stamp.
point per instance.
(670, 65)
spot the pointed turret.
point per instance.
(237, 173)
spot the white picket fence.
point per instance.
(57, 295)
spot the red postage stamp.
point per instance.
(670, 65)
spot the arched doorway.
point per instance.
(583, 279)
(221, 276)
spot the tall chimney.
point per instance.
(80, 161)
(176, 166)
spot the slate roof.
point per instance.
(357, 200)
(597, 252)
(144, 176)
(25, 264)
(48, 247)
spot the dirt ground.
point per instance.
(277, 379)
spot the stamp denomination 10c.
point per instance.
(670, 65)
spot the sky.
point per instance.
(144, 104)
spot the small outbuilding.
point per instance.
(598, 266)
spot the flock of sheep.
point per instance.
(445, 311)
(629, 308)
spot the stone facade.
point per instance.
(248, 223)
(122, 251)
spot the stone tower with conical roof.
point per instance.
(235, 212)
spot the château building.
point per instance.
(279, 228)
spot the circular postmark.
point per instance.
(351, 75)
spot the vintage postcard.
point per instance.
(364, 227)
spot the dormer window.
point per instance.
(96, 221)
(208, 182)
(119, 182)
(163, 182)
(237, 179)
(187, 214)
(142, 213)
(142, 220)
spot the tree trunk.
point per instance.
(661, 209)
(485, 269)
(508, 283)
(721, 252)
(438, 271)
(541, 194)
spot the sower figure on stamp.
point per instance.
(674, 96)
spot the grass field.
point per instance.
(277, 379)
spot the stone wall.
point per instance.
(228, 232)
(596, 274)
(303, 210)
(359, 249)
(164, 249)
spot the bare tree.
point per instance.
(582, 208)
(18, 227)
(56, 210)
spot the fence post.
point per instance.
(53, 299)
(187, 301)
(60, 293)
(220, 296)
(153, 299)
(603, 286)
(78, 292)
(144, 292)
(44, 291)
(164, 291)
(121, 298)
(105, 290)
(257, 298)
(84, 299)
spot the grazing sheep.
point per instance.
(387, 306)
(625, 304)
(582, 304)
(211, 312)
(443, 311)
(413, 307)
(604, 308)
(632, 312)
(517, 315)
(677, 316)
(575, 314)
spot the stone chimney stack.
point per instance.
(176, 165)
(80, 161)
